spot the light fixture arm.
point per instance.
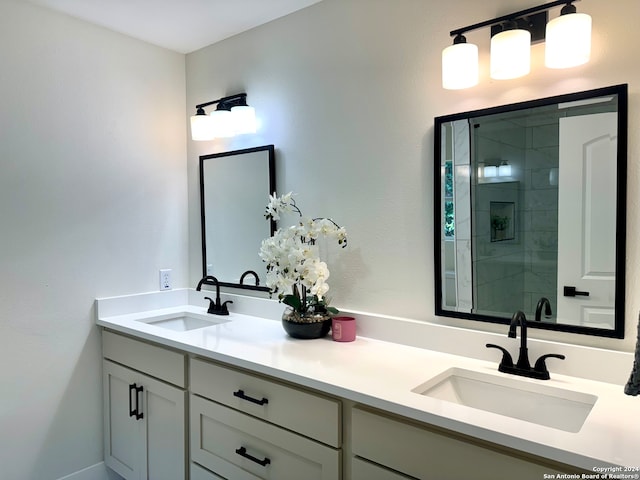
(231, 117)
(511, 17)
(225, 103)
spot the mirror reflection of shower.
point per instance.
(509, 181)
(515, 217)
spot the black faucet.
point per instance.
(206, 280)
(543, 303)
(523, 367)
(519, 318)
(215, 307)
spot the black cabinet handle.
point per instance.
(572, 292)
(243, 453)
(139, 413)
(241, 394)
(132, 411)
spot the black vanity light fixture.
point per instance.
(568, 44)
(231, 117)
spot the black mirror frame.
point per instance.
(272, 188)
(621, 211)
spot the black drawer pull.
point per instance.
(240, 394)
(572, 292)
(243, 453)
(138, 412)
(132, 411)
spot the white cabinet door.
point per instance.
(121, 430)
(144, 425)
(164, 430)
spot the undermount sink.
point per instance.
(182, 322)
(529, 401)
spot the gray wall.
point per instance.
(347, 91)
(93, 201)
(94, 193)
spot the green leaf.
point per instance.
(293, 301)
(332, 310)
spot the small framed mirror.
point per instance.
(530, 204)
(234, 190)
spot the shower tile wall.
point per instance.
(512, 275)
(498, 269)
(498, 266)
(541, 213)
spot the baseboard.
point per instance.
(99, 471)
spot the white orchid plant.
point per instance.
(293, 259)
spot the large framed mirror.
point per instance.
(530, 204)
(234, 190)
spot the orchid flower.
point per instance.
(293, 259)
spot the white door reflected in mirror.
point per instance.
(586, 220)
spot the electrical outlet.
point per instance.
(165, 279)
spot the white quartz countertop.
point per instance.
(382, 375)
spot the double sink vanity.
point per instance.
(193, 395)
(523, 200)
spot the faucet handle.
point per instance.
(216, 308)
(223, 310)
(541, 365)
(507, 360)
(212, 305)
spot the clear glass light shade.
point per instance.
(244, 119)
(460, 66)
(222, 123)
(490, 171)
(510, 54)
(568, 41)
(504, 170)
(201, 128)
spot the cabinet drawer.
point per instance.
(363, 470)
(303, 412)
(198, 473)
(156, 361)
(425, 453)
(240, 447)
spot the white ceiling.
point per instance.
(180, 25)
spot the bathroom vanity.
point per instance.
(203, 397)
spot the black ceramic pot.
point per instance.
(306, 326)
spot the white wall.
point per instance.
(93, 201)
(93, 187)
(347, 91)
